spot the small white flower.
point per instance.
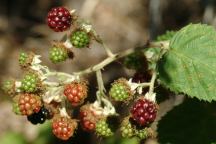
(151, 97)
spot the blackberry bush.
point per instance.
(183, 62)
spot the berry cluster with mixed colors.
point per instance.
(43, 94)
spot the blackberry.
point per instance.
(76, 92)
(39, 117)
(80, 39)
(30, 82)
(127, 130)
(63, 127)
(58, 54)
(59, 19)
(144, 112)
(120, 90)
(29, 103)
(102, 129)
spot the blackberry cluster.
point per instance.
(39, 117)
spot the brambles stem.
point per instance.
(100, 82)
(152, 82)
(107, 49)
(108, 60)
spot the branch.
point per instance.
(108, 60)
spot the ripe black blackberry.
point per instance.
(39, 117)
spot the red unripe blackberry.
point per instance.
(88, 118)
(63, 127)
(76, 92)
(59, 19)
(144, 112)
(29, 103)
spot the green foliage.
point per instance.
(192, 122)
(190, 63)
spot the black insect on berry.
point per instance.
(59, 19)
(39, 117)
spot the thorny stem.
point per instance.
(108, 60)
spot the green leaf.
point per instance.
(192, 122)
(189, 66)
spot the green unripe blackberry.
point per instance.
(127, 130)
(102, 129)
(58, 54)
(8, 86)
(25, 59)
(120, 90)
(16, 108)
(30, 82)
(142, 134)
(80, 39)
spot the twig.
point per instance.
(117, 56)
(152, 82)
